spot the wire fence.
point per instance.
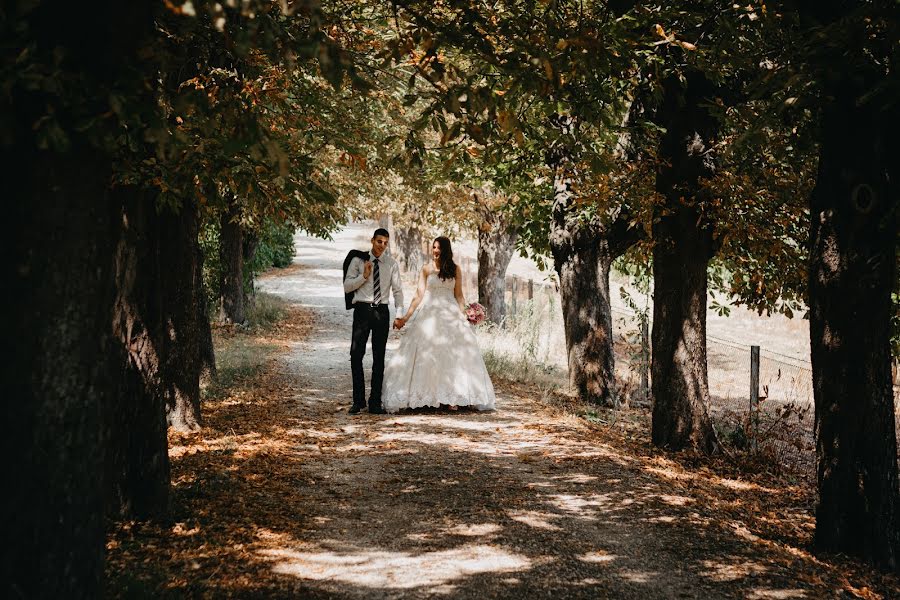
(779, 421)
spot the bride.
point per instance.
(438, 362)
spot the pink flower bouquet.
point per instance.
(474, 313)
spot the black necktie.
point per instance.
(377, 276)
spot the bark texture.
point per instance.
(207, 352)
(59, 234)
(852, 272)
(137, 463)
(179, 256)
(583, 253)
(683, 245)
(496, 244)
(680, 387)
(249, 245)
(56, 374)
(231, 254)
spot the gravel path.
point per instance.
(524, 502)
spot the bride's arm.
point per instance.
(457, 290)
(420, 292)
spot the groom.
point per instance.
(371, 281)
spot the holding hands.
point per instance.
(399, 322)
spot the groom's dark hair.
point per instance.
(381, 231)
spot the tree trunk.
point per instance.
(583, 253)
(180, 261)
(408, 248)
(852, 272)
(587, 317)
(137, 462)
(232, 261)
(496, 244)
(59, 236)
(683, 245)
(680, 386)
(56, 372)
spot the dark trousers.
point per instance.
(374, 319)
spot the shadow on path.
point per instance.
(518, 503)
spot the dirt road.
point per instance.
(525, 502)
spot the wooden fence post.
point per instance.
(531, 289)
(514, 292)
(754, 393)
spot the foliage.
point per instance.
(496, 81)
(275, 248)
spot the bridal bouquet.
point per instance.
(474, 313)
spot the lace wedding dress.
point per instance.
(438, 361)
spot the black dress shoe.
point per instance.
(354, 410)
(377, 411)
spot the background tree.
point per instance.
(497, 236)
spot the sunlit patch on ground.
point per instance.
(597, 557)
(581, 506)
(285, 495)
(775, 594)
(474, 530)
(730, 571)
(537, 520)
(639, 576)
(379, 569)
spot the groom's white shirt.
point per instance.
(364, 288)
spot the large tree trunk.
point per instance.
(679, 374)
(59, 235)
(682, 248)
(137, 463)
(587, 317)
(56, 372)
(852, 272)
(496, 244)
(180, 260)
(583, 253)
(232, 260)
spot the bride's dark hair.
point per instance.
(446, 266)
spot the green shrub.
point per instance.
(265, 311)
(212, 266)
(275, 248)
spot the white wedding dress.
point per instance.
(438, 361)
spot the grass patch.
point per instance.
(241, 353)
(237, 359)
(524, 348)
(264, 311)
(522, 369)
